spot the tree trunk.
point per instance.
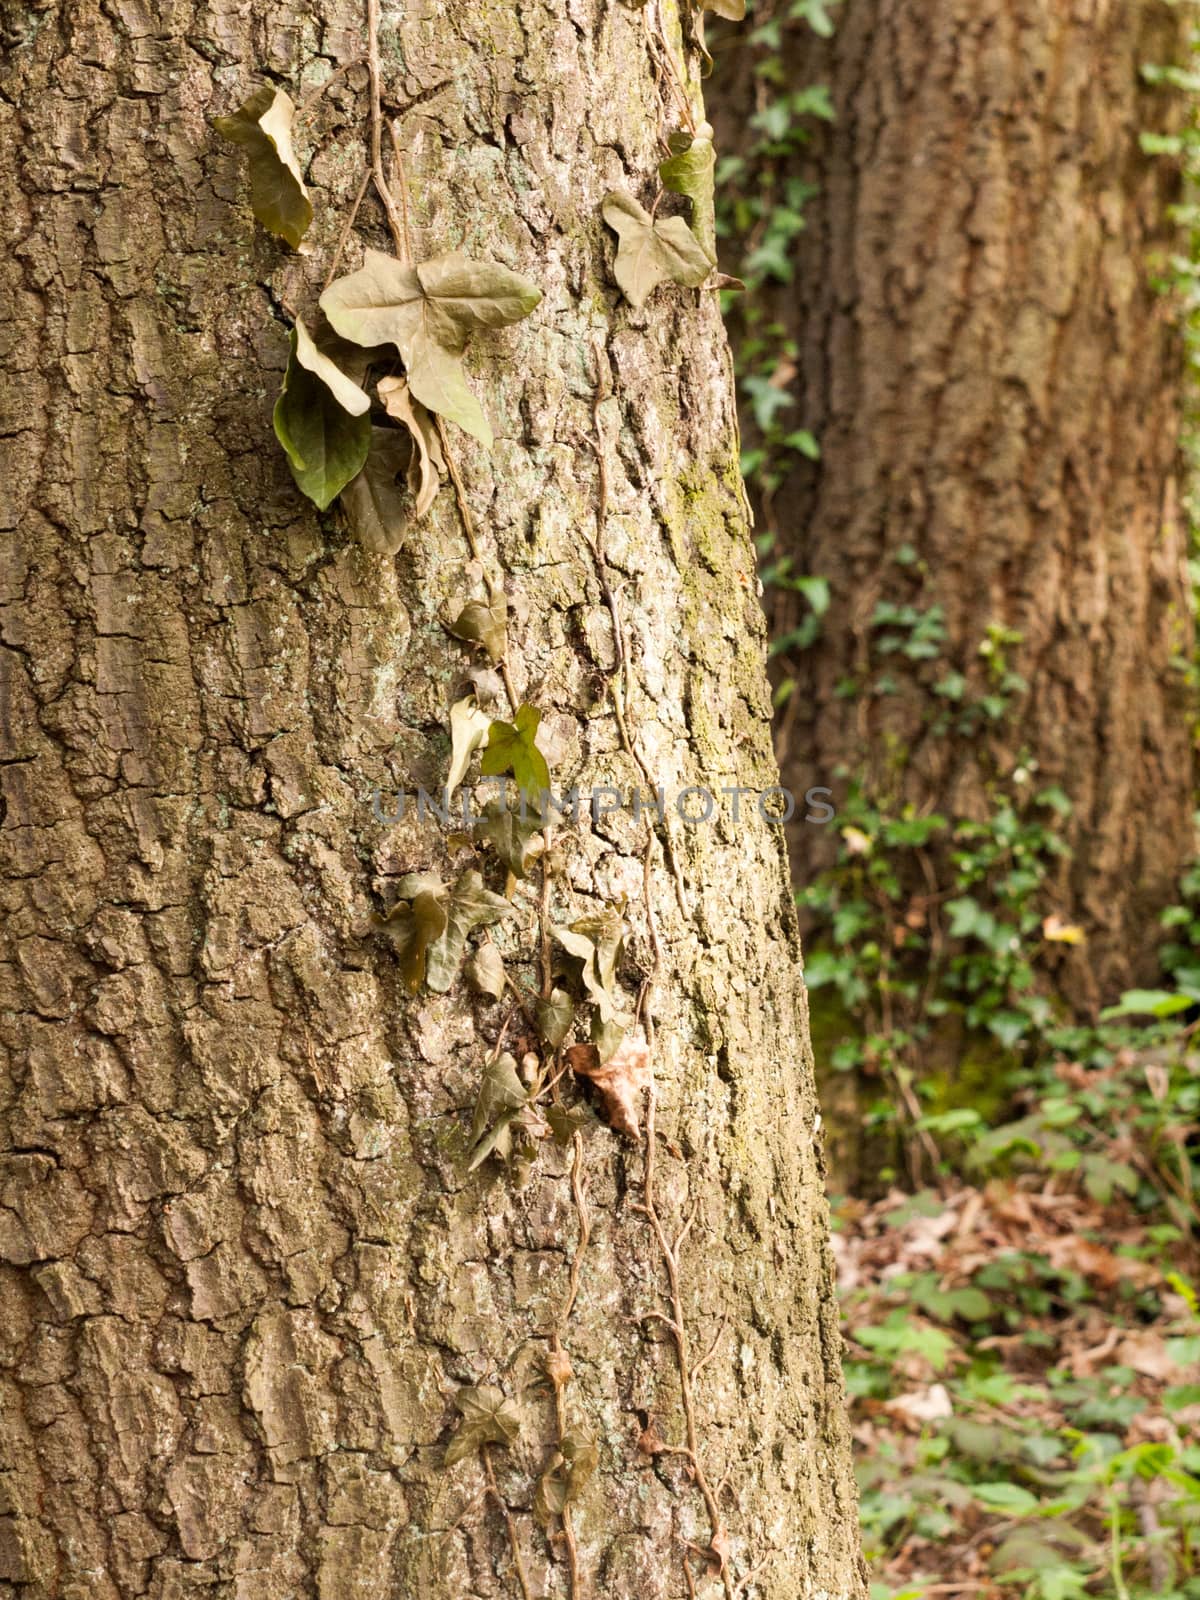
(245, 1272)
(994, 384)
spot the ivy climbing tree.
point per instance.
(397, 1199)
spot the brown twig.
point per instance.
(347, 226)
(374, 69)
(670, 1257)
(559, 1377)
(404, 207)
(310, 100)
(513, 1540)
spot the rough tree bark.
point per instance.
(995, 384)
(242, 1270)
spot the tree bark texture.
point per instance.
(994, 384)
(243, 1272)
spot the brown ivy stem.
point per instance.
(335, 76)
(347, 227)
(404, 207)
(678, 1331)
(560, 1379)
(513, 1540)
(374, 69)
(621, 670)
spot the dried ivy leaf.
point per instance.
(501, 1096)
(325, 440)
(485, 971)
(470, 906)
(689, 172)
(596, 943)
(377, 511)
(427, 460)
(732, 10)
(415, 923)
(555, 1016)
(509, 835)
(487, 1418)
(607, 1036)
(469, 728)
(278, 198)
(428, 312)
(620, 1082)
(511, 748)
(566, 1477)
(486, 623)
(652, 249)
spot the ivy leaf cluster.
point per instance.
(429, 925)
(278, 197)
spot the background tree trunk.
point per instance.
(243, 1271)
(994, 384)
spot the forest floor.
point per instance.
(1023, 1344)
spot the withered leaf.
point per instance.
(428, 312)
(470, 906)
(619, 1082)
(485, 622)
(469, 728)
(485, 971)
(652, 250)
(278, 197)
(732, 10)
(376, 509)
(426, 461)
(487, 1418)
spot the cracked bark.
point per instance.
(995, 384)
(242, 1273)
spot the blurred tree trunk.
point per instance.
(995, 386)
(243, 1270)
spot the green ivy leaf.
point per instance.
(415, 923)
(554, 1017)
(428, 312)
(566, 1122)
(278, 198)
(501, 1096)
(652, 250)
(509, 835)
(321, 421)
(689, 172)
(486, 623)
(596, 943)
(375, 507)
(565, 1479)
(511, 748)
(487, 1418)
(470, 906)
